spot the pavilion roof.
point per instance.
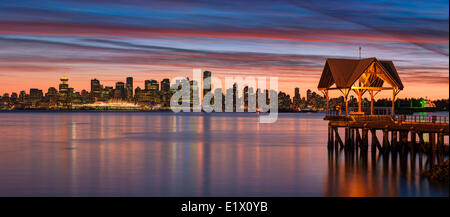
(345, 72)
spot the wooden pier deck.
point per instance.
(400, 133)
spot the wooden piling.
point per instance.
(386, 139)
(330, 144)
(354, 138)
(405, 136)
(375, 142)
(358, 139)
(413, 138)
(394, 140)
(422, 142)
(365, 138)
(338, 138)
(440, 146)
(347, 137)
(433, 143)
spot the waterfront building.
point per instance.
(165, 85)
(96, 89)
(22, 96)
(153, 86)
(52, 97)
(65, 94)
(119, 92)
(147, 85)
(206, 85)
(129, 88)
(107, 94)
(297, 99)
(308, 96)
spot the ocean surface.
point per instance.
(192, 154)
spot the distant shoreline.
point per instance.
(150, 111)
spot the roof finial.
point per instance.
(359, 52)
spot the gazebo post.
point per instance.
(393, 102)
(346, 101)
(359, 101)
(371, 101)
(346, 105)
(326, 95)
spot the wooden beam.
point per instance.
(358, 88)
(338, 138)
(375, 142)
(372, 88)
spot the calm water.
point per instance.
(164, 154)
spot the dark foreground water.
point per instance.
(164, 154)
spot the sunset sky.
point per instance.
(40, 41)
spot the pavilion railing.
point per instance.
(440, 119)
(423, 118)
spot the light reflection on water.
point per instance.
(164, 154)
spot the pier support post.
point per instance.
(386, 139)
(358, 139)
(375, 142)
(440, 146)
(403, 138)
(338, 138)
(330, 135)
(332, 142)
(421, 142)
(346, 135)
(413, 138)
(365, 137)
(352, 138)
(432, 137)
(394, 140)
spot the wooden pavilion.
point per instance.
(361, 76)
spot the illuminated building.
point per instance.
(96, 89)
(52, 97)
(129, 88)
(22, 96)
(154, 86)
(206, 86)
(147, 84)
(165, 93)
(119, 92)
(165, 85)
(297, 98)
(65, 94)
(107, 93)
(308, 95)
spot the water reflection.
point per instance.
(361, 173)
(166, 154)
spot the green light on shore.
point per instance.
(423, 103)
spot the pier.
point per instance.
(361, 130)
(382, 133)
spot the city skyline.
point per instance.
(153, 93)
(156, 95)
